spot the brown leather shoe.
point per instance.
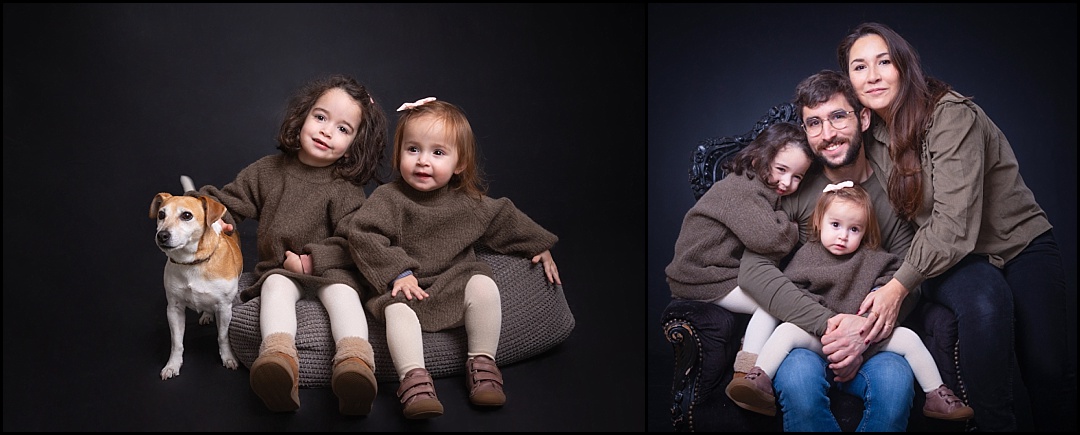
(417, 395)
(943, 404)
(354, 384)
(754, 392)
(484, 381)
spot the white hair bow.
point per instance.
(838, 186)
(418, 103)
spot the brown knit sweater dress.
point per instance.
(298, 208)
(840, 283)
(736, 213)
(434, 234)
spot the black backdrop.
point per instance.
(716, 69)
(106, 105)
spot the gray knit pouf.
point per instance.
(535, 318)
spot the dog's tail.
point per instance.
(189, 186)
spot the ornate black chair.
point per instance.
(705, 337)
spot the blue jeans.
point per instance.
(884, 382)
(985, 300)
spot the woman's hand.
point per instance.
(410, 286)
(549, 266)
(883, 305)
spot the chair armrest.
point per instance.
(705, 339)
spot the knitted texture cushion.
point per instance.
(535, 318)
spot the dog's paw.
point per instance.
(170, 371)
(228, 359)
(206, 319)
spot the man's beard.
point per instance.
(849, 158)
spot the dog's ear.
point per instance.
(214, 210)
(155, 205)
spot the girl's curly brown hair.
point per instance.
(364, 158)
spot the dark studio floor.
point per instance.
(89, 361)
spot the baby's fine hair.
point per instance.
(470, 180)
(365, 156)
(854, 195)
(757, 158)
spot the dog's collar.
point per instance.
(196, 261)
(193, 262)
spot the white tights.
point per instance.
(277, 312)
(483, 323)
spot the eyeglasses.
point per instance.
(839, 120)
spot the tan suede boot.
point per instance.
(744, 361)
(353, 380)
(275, 374)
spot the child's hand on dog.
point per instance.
(297, 263)
(226, 228)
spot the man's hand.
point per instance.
(849, 371)
(842, 344)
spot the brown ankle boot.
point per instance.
(353, 380)
(753, 392)
(275, 374)
(484, 381)
(417, 395)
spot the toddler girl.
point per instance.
(414, 240)
(331, 142)
(742, 211)
(832, 269)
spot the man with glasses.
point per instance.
(834, 121)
